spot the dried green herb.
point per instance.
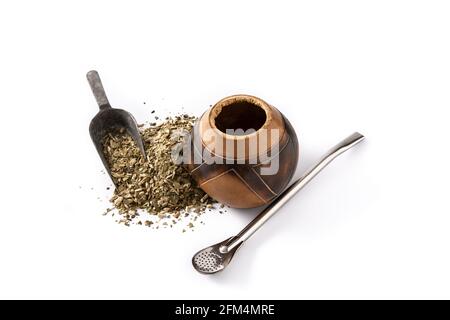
(155, 185)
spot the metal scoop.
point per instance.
(109, 120)
(216, 257)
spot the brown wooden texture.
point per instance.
(243, 185)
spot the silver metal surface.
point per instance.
(215, 258)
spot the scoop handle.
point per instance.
(287, 194)
(97, 89)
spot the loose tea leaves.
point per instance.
(155, 185)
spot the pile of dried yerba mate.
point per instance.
(154, 191)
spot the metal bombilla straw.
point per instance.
(216, 257)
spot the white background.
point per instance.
(374, 224)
